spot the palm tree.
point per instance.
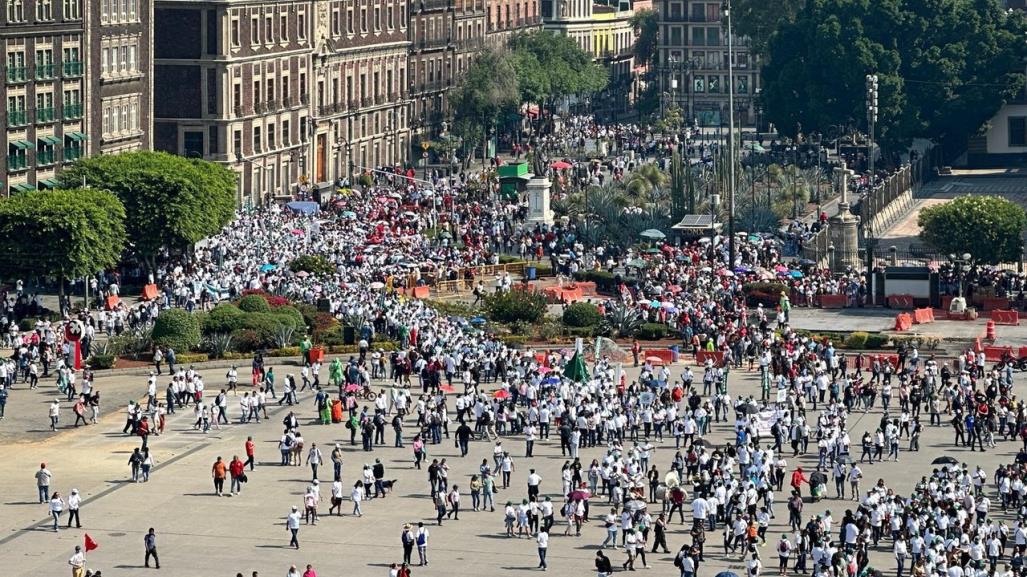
(646, 179)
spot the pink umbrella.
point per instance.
(297, 232)
(502, 394)
(544, 370)
(352, 388)
(560, 165)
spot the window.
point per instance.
(271, 136)
(44, 9)
(256, 92)
(269, 32)
(698, 36)
(237, 142)
(389, 15)
(212, 140)
(235, 32)
(237, 95)
(72, 10)
(270, 95)
(363, 19)
(713, 36)
(212, 91)
(1017, 130)
(105, 62)
(285, 133)
(349, 21)
(256, 139)
(301, 24)
(377, 19)
(335, 21)
(283, 28)
(254, 30)
(16, 10)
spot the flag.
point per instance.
(90, 544)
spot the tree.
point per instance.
(645, 23)
(569, 70)
(758, 19)
(943, 66)
(645, 180)
(488, 87)
(170, 202)
(988, 227)
(64, 234)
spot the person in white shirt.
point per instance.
(292, 523)
(421, 539)
(74, 502)
(77, 562)
(357, 495)
(543, 544)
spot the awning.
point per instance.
(51, 140)
(23, 187)
(48, 183)
(23, 145)
(77, 136)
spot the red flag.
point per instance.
(90, 544)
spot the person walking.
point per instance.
(43, 478)
(357, 495)
(249, 452)
(604, 568)
(292, 524)
(219, 471)
(56, 508)
(408, 540)
(77, 562)
(147, 464)
(314, 459)
(55, 414)
(74, 503)
(542, 539)
(421, 538)
(237, 471)
(150, 544)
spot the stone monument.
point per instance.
(538, 201)
(844, 227)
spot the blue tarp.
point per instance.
(304, 207)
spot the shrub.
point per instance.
(652, 331)
(514, 341)
(516, 306)
(224, 318)
(582, 314)
(102, 361)
(285, 352)
(308, 312)
(292, 317)
(192, 358)
(25, 325)
(245, 340)
(178, 329)
(218, 344)
(583, 332)
(876, 341)
(313, 264)
(856, 340)
(254, 303)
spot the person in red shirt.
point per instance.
(249, 452)
(236, 469)
(798, 479)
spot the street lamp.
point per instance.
(871, 121)
(731, 138)
(961, 264)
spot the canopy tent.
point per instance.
(304, 207)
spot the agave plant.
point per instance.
(623, 320)
(218, 344)
(283, 336)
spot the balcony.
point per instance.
(72, 69)
(353, 104)
(45, 115)
(288, 102)
(17, 118)
(44, 71)
(72, 153)
(16, 74)
(432, 5)
(45, 157)
(72, 110)
(239, 111)
(17, 162)
(304, 98)
(273, 106)
(366, 102)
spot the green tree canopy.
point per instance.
(62, 234)
(646, 25)
(988, 227)
(944, 67)
(758, 19)
(569, 69)
(488, 87)
(170, 201)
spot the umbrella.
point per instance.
(701, 443)
(551, 381)
(297, 232)
(561, 165)
(303, 274)
(726, 574)
(780, 268)
(544, 370)
(646, 398)
(748, 409)
(725, 272)
(478, 321)
(580, 495)
(652, 234)
(352, 388)
(667, 305)
(796, 274)
(445, 234)
(447, 389)
(377, 285)
(349, 214)
(946, 460)
(304, 207)
(637, 263)
(502, 394)
(268, 267)
(654, 360)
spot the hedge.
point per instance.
(856, 340)
(254, 303)
(192, 358)
(102, 361)
(178, 329)
(514, 306)
(652, 331)
(582, 314)
(224, 318)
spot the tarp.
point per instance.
(304, 207)
(149, 292)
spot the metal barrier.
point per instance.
(462, 284)
(815, 249)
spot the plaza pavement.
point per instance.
(200, 534)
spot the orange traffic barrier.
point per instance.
(993, 354)
(149, 292)
(994, 303)
(317, 355)
(1001, 317)
(923, 316)
(989, 331)
(900, 301)
(665, 355)
(716, 356)
(421, 292)
(903, 322)
(833, 301)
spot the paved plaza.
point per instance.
(202, 534)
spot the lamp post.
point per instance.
(871, 121)
(961, 264)
(731, 139)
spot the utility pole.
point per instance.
(731, 139)
(871, 121)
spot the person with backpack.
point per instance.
(784, 551)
